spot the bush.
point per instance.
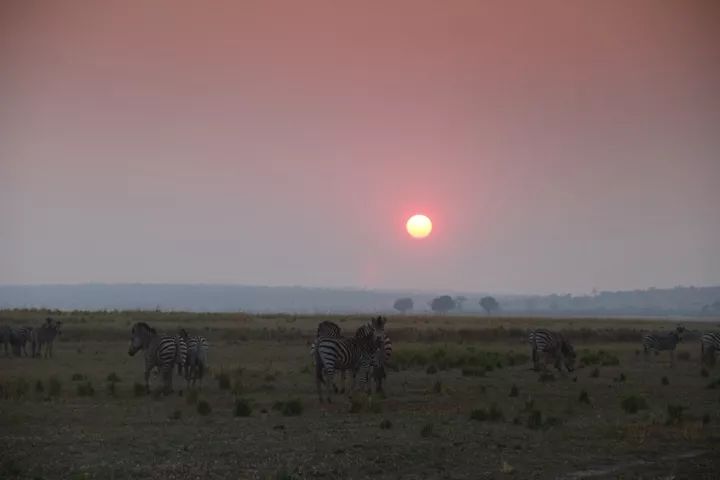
(584, 397)
(139, 389)
(431, 370)
(427, 430)
(665, 381)
(386, 424)
(54, 387)
(203, 407)
(514, 391)
(85, 390)
(595, 373)
(242, 408)
(546, 377)
(290, 408)
(223, 381)
(113, 378)
(633, 403)
(534, 420)
(674, 414)
(493, 414)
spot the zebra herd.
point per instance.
(367, 352)
(553, 345)
(164, 352)
(38, 337)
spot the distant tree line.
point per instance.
(446, 304)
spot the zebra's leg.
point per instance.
(329, 374)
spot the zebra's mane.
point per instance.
(146, 327)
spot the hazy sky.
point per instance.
(557, 145)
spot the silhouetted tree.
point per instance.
(489, 304)
(459, 302)
(403, 305)
(442, 304)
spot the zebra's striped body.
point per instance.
(709, 346)
(181, 353)
(659, 342)
(21, 337)
(554, 345)
(160, 352)
(45, 336)
(355, 354)
(197, 357)
(384, 353)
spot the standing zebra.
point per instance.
(355, 354)
(385, 351)
(658, 342)
(160, 352)
(21, 337)
(709, 346)
(45, 335)
(197, 357)
(327, 329)
(181, 352)
(554, 345)
(6, 338)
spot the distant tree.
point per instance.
(489, 304)
(403, 305)
(459, 302)
(442, 304)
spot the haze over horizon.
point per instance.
(557, 147)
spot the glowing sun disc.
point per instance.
(419, 226)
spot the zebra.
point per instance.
(552, 344)
(21, 337)
(385, 351)
(181, 352)
(709, 346)
(160, 351)
(197, 357)
(45, 335)
(6, 338)
(658, 342)
(356, 354)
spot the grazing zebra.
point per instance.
(21, 337)
(385, 352)
(45, 335)
(197, 357)
(709, 346)
(658, 342)
(554, 345)
(160, 352)
(357, 354)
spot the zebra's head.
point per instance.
(139, 335)
(378, 325)
(569, 355)
(183, 334)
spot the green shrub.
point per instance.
(242, 408)
(427, 430)
(674, 414)
(85, 389)
(203, 407)
(290, 408)
(54, 387)
(514, 391)
(534, 420)
(492, 414)
(634, 403)
(139, 389)
(386, 424)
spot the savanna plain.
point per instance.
(461, 401)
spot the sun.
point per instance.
(419, 226)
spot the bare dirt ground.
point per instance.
(450, 410)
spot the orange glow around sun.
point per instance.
(419, 226)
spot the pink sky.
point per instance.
(557, 145)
